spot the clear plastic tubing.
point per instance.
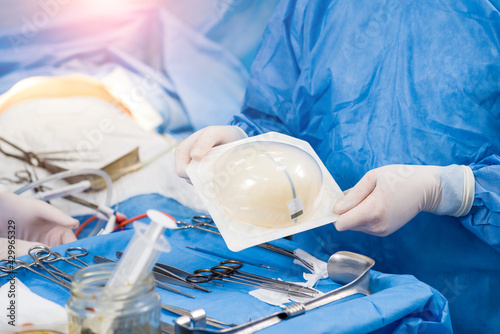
(70, 173)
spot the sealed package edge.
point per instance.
(263, 188)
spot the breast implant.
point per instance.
(268, 184)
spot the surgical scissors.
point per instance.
(228, 271)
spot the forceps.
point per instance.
(73, 253)
(31, 157)
(44, 257)
(200, 222)
(228, 271)
(16, 264)
(21, 176)
(34, 253)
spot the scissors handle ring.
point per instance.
(76, 252)
(18, 264)
(233, 264)
(9, 267)
(39, 253)
(198, 278)
(204, 272)
(201, 276)
(222, 270)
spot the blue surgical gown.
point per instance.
(372, 83)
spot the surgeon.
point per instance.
(26, 222)
(400, 99)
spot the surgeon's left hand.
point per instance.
(388, 197)
(35, 220)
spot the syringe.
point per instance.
(141, 253)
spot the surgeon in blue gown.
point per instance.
(401, 100)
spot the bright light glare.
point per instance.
(112, 4)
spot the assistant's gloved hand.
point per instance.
(21, 247)
(388, 197)
(199, 143)
(35, 221)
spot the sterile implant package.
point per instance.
(263, 188)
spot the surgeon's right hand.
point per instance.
(199, 143)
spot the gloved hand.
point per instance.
(199, 143)
(388, 197)
(21, 247)
(35, 221)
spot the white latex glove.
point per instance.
(21, 247)
(35, 221)
(199, 143)
(388, 197)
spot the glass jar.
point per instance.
(91, 311)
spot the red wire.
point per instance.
(128, 221)
(119, 226)
(85, 223)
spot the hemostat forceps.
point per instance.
(200, 222)
(73, 253)
(43, 258)
(14, 265)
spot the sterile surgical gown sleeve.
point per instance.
(484, 218)
(273, 91)
(373, 83)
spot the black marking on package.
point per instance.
(295, 207)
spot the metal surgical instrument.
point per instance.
(228, 271)
(200, 222)
(44, 258)
(73, 253)
(158, 282)
(347, 268)
(171, 274)
(16, 264)
(210, 321)
(34, 253)
(206, 251)
(32, 158)
(203, 221)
